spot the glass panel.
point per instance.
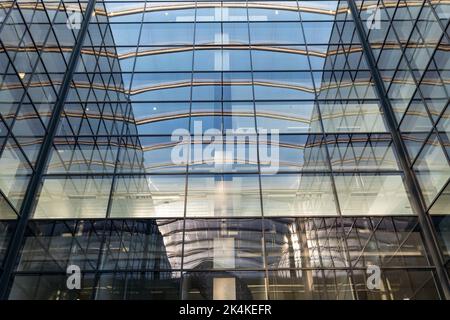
(223, 244)
(352, 117)
(442, 228)
(156, 285)
(223, 195)
(385, 242)
(362, 152)
(52, 246)
(143, 245)
(6, 233)
(304, 243)
(310, 285)
(148, 196)
(400, 284)
(442, 203)
(288, 117)
(73, 197)
(288, 195)
(233, 285)
(372, 195)
(432, 169)
(49, 287)
(276, 33)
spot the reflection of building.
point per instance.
(87, 175)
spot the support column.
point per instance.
(14, 247)
(416, 198)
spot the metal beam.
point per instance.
(43, 157)
(416, 197)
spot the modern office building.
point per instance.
(224, 149)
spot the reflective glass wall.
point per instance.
(161, 181)
(411, 50)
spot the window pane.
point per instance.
(148, 196)
(212, 244)
(223, 196)
(73, 197)
(288, 195)
(372, 195)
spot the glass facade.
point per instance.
(116, 155)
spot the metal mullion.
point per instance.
(352, 150)
(261, 202)
(190, 146)
(357, 237)
(123, 230)
(332, 139)
(244, 173)
(372, 150)
(217, 47)
(103, 236)
(107, 213)
(259, 100)
(109, 271)
(89, 239)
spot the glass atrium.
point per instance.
(92, 91)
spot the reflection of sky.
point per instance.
(161, 55)
(273, 35)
